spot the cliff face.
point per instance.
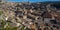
(33, 16)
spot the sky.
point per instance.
(30, 0)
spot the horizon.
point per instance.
(29, 0)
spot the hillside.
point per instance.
(29, 16)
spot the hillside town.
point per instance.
(29, 16)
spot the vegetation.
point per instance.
(0, 12)
(8, 27)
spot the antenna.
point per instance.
(25, 1)
(28, 1)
